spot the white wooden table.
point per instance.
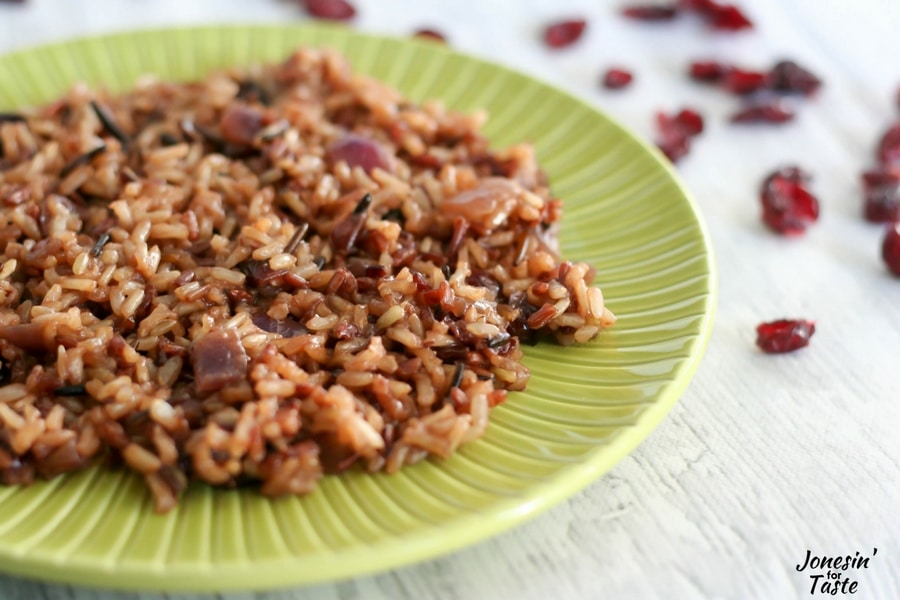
(765, 457)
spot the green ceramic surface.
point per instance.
(585, 408)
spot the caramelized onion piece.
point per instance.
(219, 360)
(486, 205)
(359, 151)
(27, 336)
(285, 328)
(240, 124)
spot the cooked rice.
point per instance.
(265, 276)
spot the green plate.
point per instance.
(585, 408)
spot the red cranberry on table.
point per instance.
(785, 77)
(881, 195)
(333, 10)
(676, 132)
(560, 34)
(888, 153)
(708, 71)
(650, 12)
(774, 111)
(728, 17)
(674, 146)
(719, 15)
(784, 335)
(890, 248)
(789, 77)
(616, 78)
(690, 121)
(788, 206)
(881, 184)
(743, 81)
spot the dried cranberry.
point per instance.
(430, 34)
(787, 76)
(651, 12)
(727, 17)
(690, 121)
(788, 206)
(674, 146)
(784, 335)
(890, 248)
(765, 112)
(564, 33)
(889, 146)
(334, 10)
(675, 132)
(685, 122)
(741, 81)
(616, 78)
(881, 195)
(709, 71)
(719, 16)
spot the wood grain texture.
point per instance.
(765, 457)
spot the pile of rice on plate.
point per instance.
(275, 273)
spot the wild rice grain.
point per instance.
(81, 160)
(109, 124)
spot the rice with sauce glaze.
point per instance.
(275, 273)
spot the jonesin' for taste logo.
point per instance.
(828, 574)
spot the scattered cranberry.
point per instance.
(564, 33)
(685, 122)
(890, 248)
(788, 206)
(334, 10)
(676, 132)
(651, 12)
(881, 195)
(787, 76)
(719, 16)
(728, 17)
(766, 112)
(690, 121)
(431, 34)
(616, 78)
(673, 145)
(741, 81)
(784, 335)
(708, 71)
(889, 146)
